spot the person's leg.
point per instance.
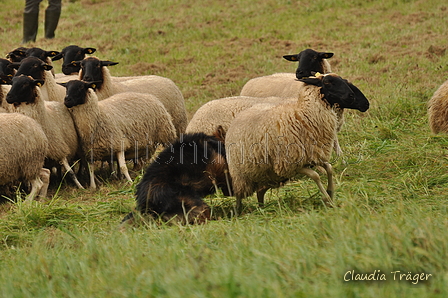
(30, 20)
(52, 14)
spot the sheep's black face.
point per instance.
(76, 93)
(5, 71)
(338, 91)
(92, 70)
(17, 55)
(309, 61)
(23, 90)
(72, 53)
(40, 53)
(32, 66)
(361, 103)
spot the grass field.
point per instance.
(392, 180)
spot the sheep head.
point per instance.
(17, 55)
(92, 69)
(72, 53)
(6, 72)
(309, 61)
(336, 90)
(23, 90)
(77, 92)
(31, 66)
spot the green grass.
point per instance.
(392, 180)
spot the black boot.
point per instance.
(30, 25)
(51, 22)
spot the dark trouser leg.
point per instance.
(30, 25)
(52, 14)
(30, 20)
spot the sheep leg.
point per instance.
(122, 165)
(71, 173)
(260, 195)
(45, 178)
(239, 205)
(330, 188)
(313, 175)
(92, 176)
(337, 147)
(36, 185)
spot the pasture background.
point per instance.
(392, 180)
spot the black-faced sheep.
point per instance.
(438, 110)
(25, 98)
(17, 54)
(23, 149)
(72, 53)
(127, 125)
(95, 70)
(175, 183)
(265, 148)
(222, 111)
(286, 85)
(33, 52)
(39, 70)
(6, 72)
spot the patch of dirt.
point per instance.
(141, 68)
(435, 52)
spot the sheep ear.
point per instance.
(326, 55)
(75, 63)
(51, 53)
(5, 80)
(294, 57)
(57, 57)
(108, 63)
(89, 50)
(19, 53)
(39, 83)
(92, 85)
(312, 81)
(14, 65)
(47, 66)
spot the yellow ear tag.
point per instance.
(39, 84)
(317, 74)
(93, 86)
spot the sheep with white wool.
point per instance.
(286, 84)
(166, 91)
(438, 110)
(222, 111)
(127, 124)
(265, 148)
(23, 147)
(39, 70)
(25, 97)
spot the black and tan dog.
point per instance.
(175, 183)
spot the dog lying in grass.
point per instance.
(175, 183)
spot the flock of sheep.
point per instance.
(281, 126)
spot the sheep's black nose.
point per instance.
(300, 74)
